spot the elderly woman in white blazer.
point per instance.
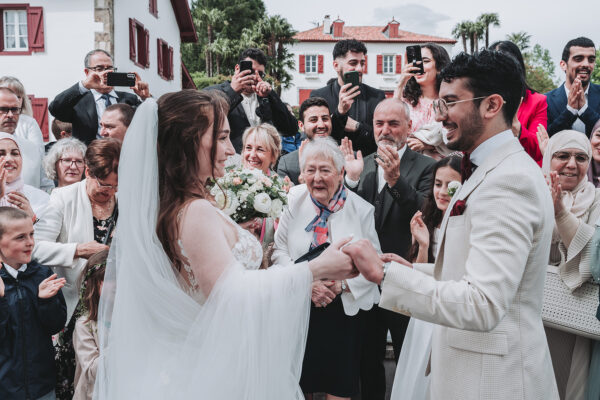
(318, 211)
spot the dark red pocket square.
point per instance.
(458, 208)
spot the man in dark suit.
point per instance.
(349, 55)
(315, 121)
(253, 101)
(84, 103)
(576, 103)
(395, 180)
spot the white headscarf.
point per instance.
(17, 184)
(579, 200)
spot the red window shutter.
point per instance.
(320, 63)
(153, 8)
(35, 28)
(303, 94)
(159, 57)
(379, 64)
(302, 63)
(40, 114)
(171, 74)
(1, 31)
(132, 34)
(398, 64)
(366, 65)
(147, 37)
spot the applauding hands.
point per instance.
(50, 286)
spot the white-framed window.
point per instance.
(388, 64)
(311, 64)
(15, 30)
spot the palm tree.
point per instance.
(208, 19)
(222, 48)
(521, 39)
(461, 31)
(488, 19)
(478, 30)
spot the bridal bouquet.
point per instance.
(244, 194)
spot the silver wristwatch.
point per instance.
(344, 286)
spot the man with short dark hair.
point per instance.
(253, 101)
(315, 121)
(576, 103)
(357, 104)
(84, 103)
(116, 120)
(485, 291)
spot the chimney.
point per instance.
(391, 30)
(327, 25)
(338, 28)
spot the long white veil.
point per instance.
(246, 341)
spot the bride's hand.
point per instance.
(333, 264)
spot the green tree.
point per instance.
(596, 73)
(521, 39)
(210, 19)
(461, 30)
(487, 20)
(539, 69)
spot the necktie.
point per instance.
(466, 167)
(106, 100)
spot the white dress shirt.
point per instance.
(13, 272)
(100, 102)
(485, 149)
(250, 104)
(578, 125)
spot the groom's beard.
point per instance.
(471, 127)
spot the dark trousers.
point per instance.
(372, 372)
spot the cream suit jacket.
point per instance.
(355, 218)
(67, 222)
(487, 286)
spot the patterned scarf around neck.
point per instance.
(319, 224)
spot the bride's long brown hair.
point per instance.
(183, 118)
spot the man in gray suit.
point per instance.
(396, 189)
(315, 121)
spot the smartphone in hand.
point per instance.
(413, 54)
(351, 77)
(120, 79)
(246, 65)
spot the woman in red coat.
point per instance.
(533, 108)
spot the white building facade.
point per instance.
(386, 53)
(43, 43)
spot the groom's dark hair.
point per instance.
(489, 72)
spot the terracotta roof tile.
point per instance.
(368, 34)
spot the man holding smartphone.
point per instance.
(252, 100)
(84, 103)
(354, 105)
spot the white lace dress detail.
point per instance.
(246, 250)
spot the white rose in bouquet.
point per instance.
(262, 203)
(229, 197)
(276, 208)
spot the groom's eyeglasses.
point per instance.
(441, 106)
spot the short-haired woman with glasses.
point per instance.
(576, 209)
(78, 223)
(64, 162)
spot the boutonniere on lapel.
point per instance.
(460, 205)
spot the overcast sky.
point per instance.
(550, 23)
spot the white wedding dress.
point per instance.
(160, 337)
(410, 381)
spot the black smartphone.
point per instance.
(351, 77)
(312, 254)
(246, 65)
(120, 79)
(413, 54)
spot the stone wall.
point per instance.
(103, 12)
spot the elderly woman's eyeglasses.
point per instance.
(68, 162)
(105, 186)
(565, 156)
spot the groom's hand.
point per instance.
(366, 259)
(333, 264)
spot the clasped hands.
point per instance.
(344, 260)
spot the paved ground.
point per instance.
(390, 369)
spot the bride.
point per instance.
(184, 313)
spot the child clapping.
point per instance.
(32, 309)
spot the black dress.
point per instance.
(332, 356)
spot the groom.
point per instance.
(486, 288)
